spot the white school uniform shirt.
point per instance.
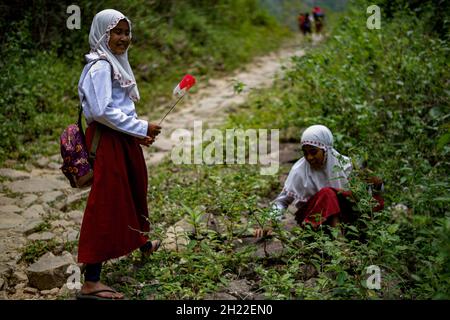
(303, 182)
(105, 101)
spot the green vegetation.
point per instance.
(384, 93)
(42, 59)
(228, 194)
(35, 249)
(385, 96)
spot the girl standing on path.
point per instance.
(115, 217)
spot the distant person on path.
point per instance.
(300, 21)
(317, 184)
(319, 18)
(115, 218)
(304, 23)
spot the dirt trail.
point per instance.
(209, 104)
(34, 203)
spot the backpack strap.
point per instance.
(95, 141)
(79, 122)
(97, 133)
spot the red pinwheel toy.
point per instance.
(180, 91)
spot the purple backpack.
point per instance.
(77, 161)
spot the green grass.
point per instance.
(383, 96)
(35, 249)
(387, 105)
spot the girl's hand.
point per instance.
(259, 232)
(153, 130)
(147, 141)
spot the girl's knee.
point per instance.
(328, 191)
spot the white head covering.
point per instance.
(99, 35)
(303, 181)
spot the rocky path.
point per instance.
(209, 103)
(38, 208)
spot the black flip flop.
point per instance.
(152, 249)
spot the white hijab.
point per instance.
(303, 181)
(99, 35)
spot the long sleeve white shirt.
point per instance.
(280, 204)
(105, 101)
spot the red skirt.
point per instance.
(116, 213)
(329, 202)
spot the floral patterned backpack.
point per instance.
(78, 163)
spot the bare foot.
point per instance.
(90, 287)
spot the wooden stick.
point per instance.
(171, 109)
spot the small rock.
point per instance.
(44, 236)
(30, 290)
(308, 271)
(128, 280)
(27, 201)
(184, 225)
(176, 239)
(10, 209)
(2, 283)
(311, 283)
(272, 248)
(54, 291)
(76, 197)
(16, 256)
(55, 158)
(39, 172)
(49, 209)
(38, 184)
(58, 232)
(239, 288)
(60, 205)
(19, 276)
(6, 269)
(29, 226)
(54, 165)
(70, 235)
(76, 216)
(258, 296)
(5, 201)
(61, 224)
(42, 162)
(13, 174)
(50, 271)
(219, 296)
(20, 286)
(10, 220)
(53, 196)
(33, 212)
